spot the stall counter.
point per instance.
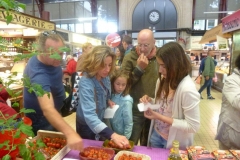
(221, 76)
(154, 153)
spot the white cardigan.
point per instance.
(185, 114)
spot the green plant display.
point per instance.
(12, 129)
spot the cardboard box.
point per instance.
(42, 133)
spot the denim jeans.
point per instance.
(140, 130)
(84, 131)
(39, 122)
(157, 141)
(207, 84)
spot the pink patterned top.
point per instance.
(165, 109)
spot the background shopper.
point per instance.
(208, 74)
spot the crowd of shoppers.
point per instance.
(146, 73)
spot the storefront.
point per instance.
(214, 39)
(77, 40)
(24, 29)
(194, 50)
(231, 24)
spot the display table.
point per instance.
(154, 153)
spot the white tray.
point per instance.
(143, 156)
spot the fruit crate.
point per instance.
(43, 133)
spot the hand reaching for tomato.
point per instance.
(120, 140)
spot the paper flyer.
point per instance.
(143, 107)
(109, 112)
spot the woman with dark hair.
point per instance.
(119, 56)
(178, 115)
(228, 131)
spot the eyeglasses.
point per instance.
(143, 45)
(47, 33)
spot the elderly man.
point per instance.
(141, 62)
(46, 71)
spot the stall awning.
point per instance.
(211, 35)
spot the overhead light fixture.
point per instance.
(87, 19)
(228, 12)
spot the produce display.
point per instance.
(53, 145)
(127, 155)
(223, 154)
(130, 157)
(96, 153)
(116, 148)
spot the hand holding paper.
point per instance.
(143, 107)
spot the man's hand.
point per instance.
(142, 61)
(207, 77)
(75, 142)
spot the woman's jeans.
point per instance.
(157, 141)
(86, 133)
(207, 84)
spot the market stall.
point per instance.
(231, 25)
(154, 153)
(194, 50)
(17, 38)
(214, 39)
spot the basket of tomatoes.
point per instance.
(55, 144)
(96, 153)
(111, 144)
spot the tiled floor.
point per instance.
(209, 110)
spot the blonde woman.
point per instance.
(94, 96)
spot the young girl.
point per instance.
(122, 121)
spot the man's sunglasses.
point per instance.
(47, 33)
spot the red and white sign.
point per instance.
(231, 22)
(113, 40)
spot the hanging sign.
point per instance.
(26, 20)
(113, 40)
(231, 22)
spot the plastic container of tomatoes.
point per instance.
(107, 144)
(130, 155)
(96, 153)
(42, 134)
